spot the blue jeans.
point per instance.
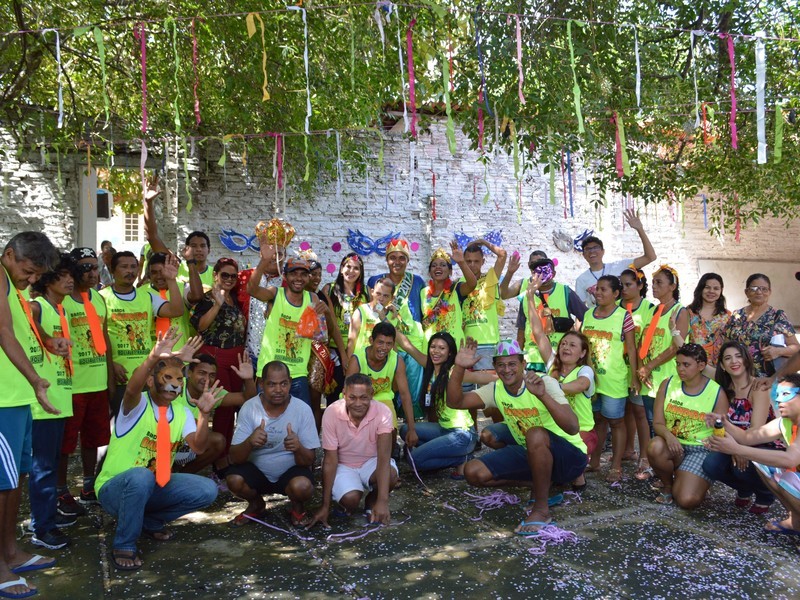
(414, 377)
(719, 467)
(440, 448)
(138, 503)
(300, 389)
(46, 441)
(649, 404)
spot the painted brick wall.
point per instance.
(399, 202)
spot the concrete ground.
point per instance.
(627, 547)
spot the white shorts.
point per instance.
(351, 478)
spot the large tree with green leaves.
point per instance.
(467, 48)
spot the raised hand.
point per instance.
(192, 347)
(534, 283)
(245, 369)
(632, 219)
(291, 442)
(166, 342)
(513, 263)
(171, 266)
(259, 436)
(187, 253)
(467, 356)
(218, 295)
(456, 253)
(152, 190)
(208, 399)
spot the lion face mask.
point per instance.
(168, 377)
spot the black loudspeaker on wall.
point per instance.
(104, 203)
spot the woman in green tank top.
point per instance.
(448, 436)
(676, 453)
(635, 303)
(570, 364)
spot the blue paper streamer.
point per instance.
(705, 212)
(569, 182)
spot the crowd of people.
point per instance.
(171, 365)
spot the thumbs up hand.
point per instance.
(291, 442)
(259, 436)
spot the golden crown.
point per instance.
(275, 231)
(441, 253)
(398, 245)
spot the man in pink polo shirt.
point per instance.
(357, 439)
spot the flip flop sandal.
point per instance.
(128, 554)
(159, 535)
(665, 499)
(9, 584)
(614, 475)
(33, 564)
(535, 533)
(759, 509)
(241, 519)
(553, 500)
(299, 519)
(777, 527)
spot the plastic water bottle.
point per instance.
(719, 428)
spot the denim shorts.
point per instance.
(610, 408)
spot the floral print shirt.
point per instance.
(755, 335)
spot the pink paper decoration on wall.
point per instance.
(336, 246)
(331, 268)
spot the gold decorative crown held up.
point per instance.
(275, 231)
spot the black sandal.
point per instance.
(126, 554)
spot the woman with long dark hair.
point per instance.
(749, 408)
(707, 312)
(346, 294)
(449, 435)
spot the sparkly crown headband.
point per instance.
(441, 253)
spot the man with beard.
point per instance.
(273, 448)
(387, 370)
(92, 380)
(286, 305)
(131, 314)
(26, 257)
(136, 485)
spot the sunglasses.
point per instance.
(228, 276)
(755, 289)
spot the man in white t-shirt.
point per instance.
(272, 450)
(593, 252)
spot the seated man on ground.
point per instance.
(357, 439)
(199, 375)
(136, 485)
(777, 469)
(272, 450)
(544, 445)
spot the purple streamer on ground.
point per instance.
(551, 535)
(410, 455)
(496, 499)
(574, 495)
(286, 531)
(349, 536)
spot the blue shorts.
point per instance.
(511, 462)
(610, 408)
(15, 445)
(500, 432)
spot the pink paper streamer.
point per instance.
(496, 499)
(618, 147)
(551, 535)
(519, 59)
(140, 35)
(196, 75)
(732, 58)
(411, 89)
(409, 451)
(349, 536)
(142, 162)
(279, 157)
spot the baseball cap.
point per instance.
(294, 263)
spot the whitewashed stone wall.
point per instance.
(399, 203)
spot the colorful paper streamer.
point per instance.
(732, 121)
(412, 95)
(402, 78)
(197, 118)
(140, 35)
(58, 76)
(569, 183)
(187, 181)
(101, 53)
(519, 60)
(623, 164)
(480, 60)
(761, 81)
(251, 30)
(576, 89)
(176, 102)
(778, 151)
(450, 128)
(305, 64)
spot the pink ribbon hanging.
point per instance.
(617, 147)
(732, 58)
(196, 75)
(411, 89)
(140, 35)
(279, 158)
(519, 60)
(480, 119)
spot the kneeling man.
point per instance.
(136, 484)
(272, 450)
(357, 439)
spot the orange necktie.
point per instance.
(98, 339)
(163, 448)
(65, 334)
(651, 330)
(27, 310)
(162, 323)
